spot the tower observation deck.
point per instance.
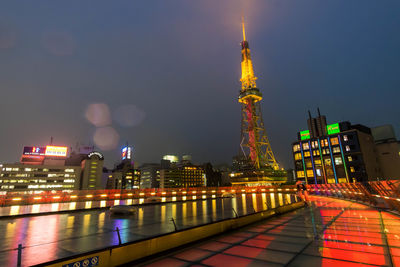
(255, 147)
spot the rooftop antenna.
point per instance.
(319, 113)
(51, 140)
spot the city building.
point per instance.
(182, 176)
(213, 177)
(172, 173)
(171, 158)
(334, 153)
(150, 175)
(92, 171)
(124, 175)
(387, 151)
(50, 168)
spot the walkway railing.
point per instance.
(382, 194)
(28, 198)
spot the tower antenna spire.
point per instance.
(243, 28)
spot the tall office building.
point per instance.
(335, 153)
(124, 175)
(150, 175)
(182, 176)
(92, 171)
(50, 168)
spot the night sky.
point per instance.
(164, 75)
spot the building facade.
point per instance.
(182, 176)
(92, 171)
(22, 177)
(51, 168)
(388, 151)
(334, 153)
(150, 175)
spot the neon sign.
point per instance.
(333, 128)
(127, 153)
(34, 150)
(304, 135)
(56, 151)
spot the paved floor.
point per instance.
(49, 237)
(330, 232)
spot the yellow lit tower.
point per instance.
(254, 142)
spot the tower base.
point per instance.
(262, 177)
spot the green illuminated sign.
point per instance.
(333, 128)
(305, 135)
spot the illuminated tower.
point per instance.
(254, 142)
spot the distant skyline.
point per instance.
(164, 75)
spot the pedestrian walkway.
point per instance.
(330, 232)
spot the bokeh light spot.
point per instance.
(106, 138)
(98, 114)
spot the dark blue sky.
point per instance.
(174, 68)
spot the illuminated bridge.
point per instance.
(243, 230)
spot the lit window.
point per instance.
(300, 173)
(316, 153)
(352, 169)
(306, 153)
(338, 161)
(350, 158)
(345, 138)
(314, 144)
(306, 146)
(310, 173)
(336, 149)
(296, 148)
(347, 148)
(69, 170)
(334, 141)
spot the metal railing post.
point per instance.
(19, 255)
(119, 236)
(237, 216)
(173, 221)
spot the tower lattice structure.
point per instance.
(254, 141)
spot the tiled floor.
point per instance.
(330, 232)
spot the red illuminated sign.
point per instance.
(34, 150)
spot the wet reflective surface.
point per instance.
(330, 232)
(49, 237)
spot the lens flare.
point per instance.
(106, 138)
(98, 114)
